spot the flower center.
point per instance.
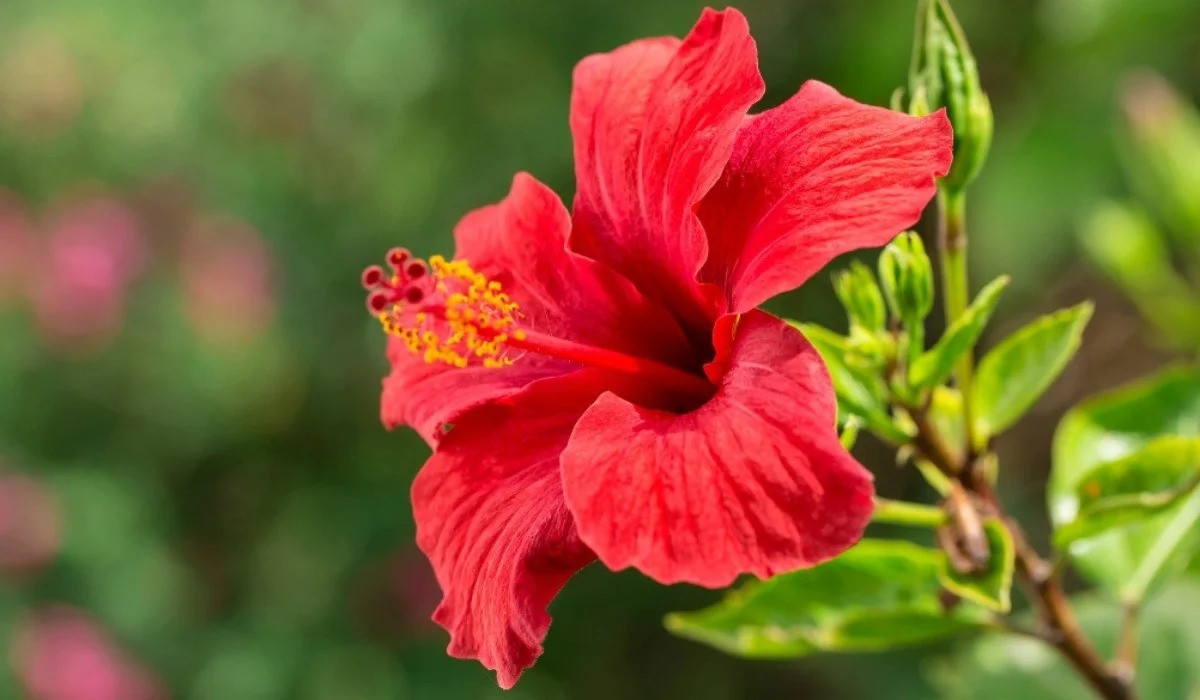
(446, 312)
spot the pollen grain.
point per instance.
(454, 316)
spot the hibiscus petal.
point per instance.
(653, 123)
(753, 481)
(490, 517)
(815, 177)
(428, 397)
(521, 243)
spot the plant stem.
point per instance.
(905, 513)
(952, 251)
(974, 543)
(971, 496)
(1058, 625)
(915, 328)
(1125, 661)
(930, 442)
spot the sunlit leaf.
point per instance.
(1130, 559)
(1016, 372)
(1133, 488)
(946, 412)
(878, 595)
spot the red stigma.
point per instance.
(372, 276)
(378, 301)
(397, 256)
(408, 283)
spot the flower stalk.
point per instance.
(943, 74)
(919, 515)
(952, 254)
(1058, 625)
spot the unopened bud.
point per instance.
(944, 74)
(907, 277)
(868, 350)
(860, 295)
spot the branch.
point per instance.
(1038, 577)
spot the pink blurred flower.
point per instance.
(92, 251)
(30, 526)
(227, 279)
(17, 246)
(59, 653)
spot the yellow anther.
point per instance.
(467, 319)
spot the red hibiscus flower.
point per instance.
(599, 384)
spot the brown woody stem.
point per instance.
(972, 498)
(1058, 626)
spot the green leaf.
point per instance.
(1016, 372)
(935, 365)
(878, 595)
(1134, 487)
(1002, 667)
(1109, 428)
(849, 434)
(857, 393)
(992, 587)
(946, 412)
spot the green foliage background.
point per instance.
(233, 514)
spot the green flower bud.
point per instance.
(918, 106)
(944, 74)
(868, 350)
(907, 277)
(860, 295)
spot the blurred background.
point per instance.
(197, 499)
